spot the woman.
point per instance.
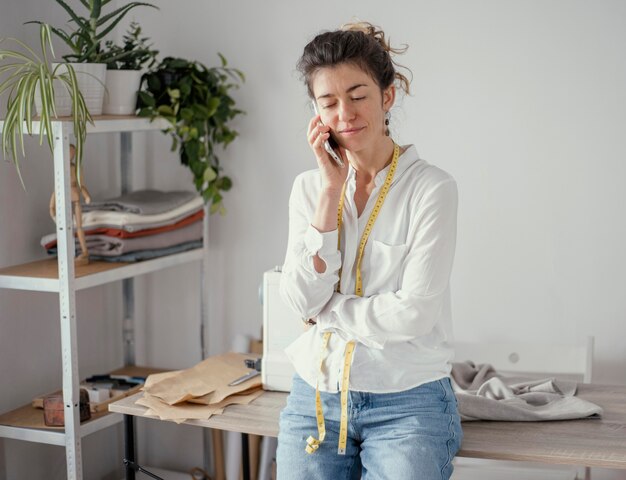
(370, 251)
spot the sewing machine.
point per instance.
(281, 326)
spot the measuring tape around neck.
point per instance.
(313, 443)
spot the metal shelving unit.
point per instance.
(62, 277)
(56, 436)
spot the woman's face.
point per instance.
(351, 103)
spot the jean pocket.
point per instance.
(300, 396)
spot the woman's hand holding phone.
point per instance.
(330, 144)
(333, 177)
(333, 174)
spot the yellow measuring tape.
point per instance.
(313, 443)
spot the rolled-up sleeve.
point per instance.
(301, 286)
(412, 310)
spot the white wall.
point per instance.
(522, 101)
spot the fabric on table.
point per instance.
(145, 202)
(483, 394)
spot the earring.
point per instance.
(387, 116)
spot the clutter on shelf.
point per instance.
(53, 409)
(96, 392)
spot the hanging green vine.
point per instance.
(196, 102)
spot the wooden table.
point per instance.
(588, 442)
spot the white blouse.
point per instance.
(402, 323)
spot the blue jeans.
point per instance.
(411, 435)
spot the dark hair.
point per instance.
(361, 44)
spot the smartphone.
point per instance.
(330, 145)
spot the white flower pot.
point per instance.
(120, 97)
(62, 99)
(91, 78)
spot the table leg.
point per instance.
(129, 446)
(245, 456)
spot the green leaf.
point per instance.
(228, 137)
(96, 9)
(145, 112)
(48, 108)
(187, 114)
(80, 21)
(215, 207)
(191, 150)
(212, 106)
(224, 183)
(154, 84)
(147, 99)
(45, 39)
(18, 55)
(30, 95)
(178, 63)
(185, 88)
(209, 175)
(165, 110)
(121, 12)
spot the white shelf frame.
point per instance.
(20, 282)
(103, 124)
(67, 284)
(57, 437)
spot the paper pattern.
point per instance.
(200, 391)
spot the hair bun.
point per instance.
(377, 34)
(369, 30)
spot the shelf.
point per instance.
(26, 422)
(42, 275)
(107, 124)
(25, 425)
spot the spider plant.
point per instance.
(29, 74)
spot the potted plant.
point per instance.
(195, 100)
(28, 75)
(85, 42)
(124, 70)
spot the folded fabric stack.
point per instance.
(201, 391)
(139, 225)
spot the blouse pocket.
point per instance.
(385, 268)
